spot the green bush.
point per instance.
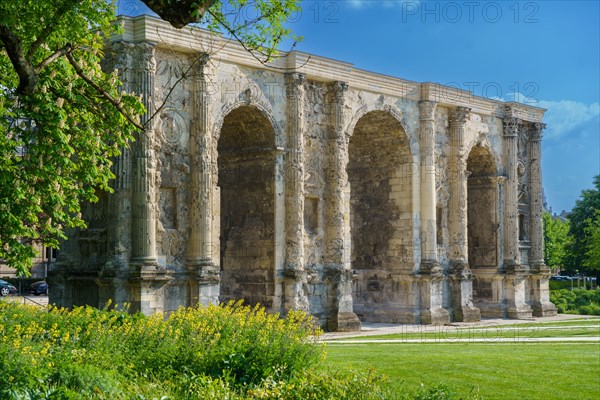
(577, 301)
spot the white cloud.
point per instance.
(380, 3)
(563, 116)
(358, 3)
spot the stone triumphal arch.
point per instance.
(309, 184)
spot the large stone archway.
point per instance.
(483, 226)
(381, 219)
(247, 232)
(309, 184)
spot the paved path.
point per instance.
(595, 339)
(377, 329)
(31, 300)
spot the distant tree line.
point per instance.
(573, 244)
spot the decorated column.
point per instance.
(511, 206)
(430, 271)
(540, 273)
(536, 257)
(119, 206)
(460, 273)
(295, 276)
(204, 275)
(144, 190)
(147, 278)
(516, 274)
(337, 226)
(428, 194)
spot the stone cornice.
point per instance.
(189, 40)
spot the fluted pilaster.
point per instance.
(294, 200)
(540, 290)
(457, 216)
(143, 235)
(515, 287)
(119, 209)
(337, 180)
(428, 194)
(123, 63)
(511, 209)
(337, 226)
(205, 286)
(201, 172)
(536, 257)
(461, 278)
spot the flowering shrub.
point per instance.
(217, 352)
(231, 352)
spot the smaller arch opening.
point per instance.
(482, 224)
(380, 180)
(246, 180)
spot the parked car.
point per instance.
(6, 288)
(37, 288)
(560, 278)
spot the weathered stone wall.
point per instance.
(313, 186)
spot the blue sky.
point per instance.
(544, 53)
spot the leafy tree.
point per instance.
(592, 254)
(556, 240)
(584, 215)
(63, 119)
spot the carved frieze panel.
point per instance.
(523, 169)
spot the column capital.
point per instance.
(459, 116)
(145, 60)
(427, 109)
(295, 78)
(511, 126)
(536, 132)
(294, 85)
(339, 88)
(199, 63)
(122, 47)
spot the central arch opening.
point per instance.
(246, 180)
(379, 172)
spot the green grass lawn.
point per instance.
(494, 370)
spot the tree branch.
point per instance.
(50, 59)
(103, 92)
(28, 79)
